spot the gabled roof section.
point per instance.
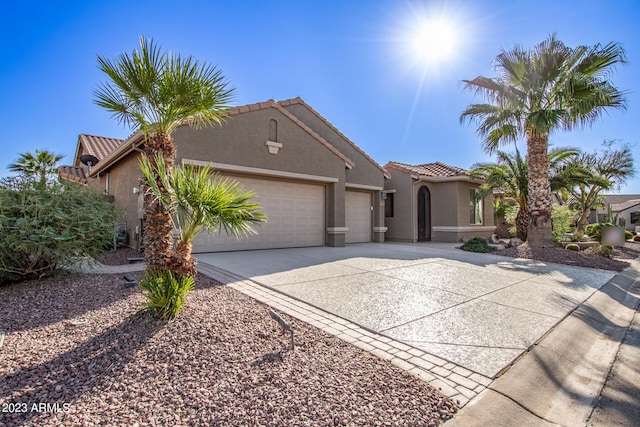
(74, 173)
(98, 146)
(436, 169)
(300, 101)
(619, 207)
(615, 199)
(272, 104)
(110, 150)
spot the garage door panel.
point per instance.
(295, 214)
(358, 216)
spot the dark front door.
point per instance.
(424, 214)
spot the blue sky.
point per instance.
(353, 61)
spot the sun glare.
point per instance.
(434, 40)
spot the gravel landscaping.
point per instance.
(75, 353)
(579, 259)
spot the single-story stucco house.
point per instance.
(434, 202)
(314, 184)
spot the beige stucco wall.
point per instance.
(364, 172)
(123, 177)
(400, 226)
(241, 140)
(450, 219)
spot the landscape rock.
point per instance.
(223, 361)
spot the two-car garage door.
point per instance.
(295, 214)
(296, 218)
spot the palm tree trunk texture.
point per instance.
(522, 224)
(158, 232)
(539, 233)
(182, 263)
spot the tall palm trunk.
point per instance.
(158, 231)
(539, 233)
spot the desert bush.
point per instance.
(165, 293)
(628, 235)
(477, 244)
(602, 250)
(572, 247)
(44, 227)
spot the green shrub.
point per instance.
(165, 293)
(477, 244)
(572, 247)
(602, 250)
(562, 218)
(594, 230)
(44, 227)
(628, 235)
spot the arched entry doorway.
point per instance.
(424, 214)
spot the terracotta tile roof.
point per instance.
(436, 169)
(98, 146)
(74, 173)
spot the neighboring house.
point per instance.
(315, 185)
(624, 207)
(434, 202)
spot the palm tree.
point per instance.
(156, 92)
(610, 168)
(509, 175)
(538, 91)
(199, 201)
(37, 166)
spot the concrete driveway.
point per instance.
(478, 311)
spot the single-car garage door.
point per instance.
(295, 214)
(358, 216)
